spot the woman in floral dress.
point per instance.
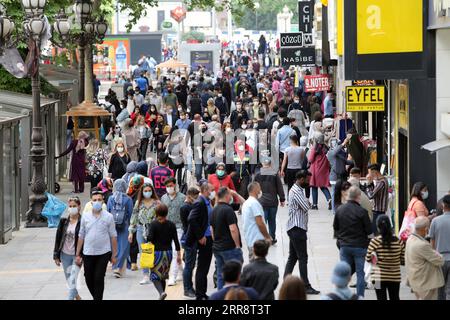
(96, 158)
(143, 214)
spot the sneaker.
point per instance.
(311, 290)
(329, 205)
(145, 280)
(314, 207)
(274, 241)
(134, 267)
(172, 282)
(190, 294)
(180, 277)
(163, 296)
(117, 274)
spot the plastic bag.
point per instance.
(147, 256)
(53, 210)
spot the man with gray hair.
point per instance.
(365, 202)
(252, 215)
(423, 263)
(352, 227)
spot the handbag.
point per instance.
(408, 222)
(147, 259)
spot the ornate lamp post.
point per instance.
(34, 26)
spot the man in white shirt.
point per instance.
(253, 215)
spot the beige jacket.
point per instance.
(423, 265)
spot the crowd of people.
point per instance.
(223, 147)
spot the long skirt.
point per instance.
(123, 247)
(161, 268)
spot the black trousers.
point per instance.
(143, 149)
(289, 177)
(94, 273)
(134, 250)
(393, 288)
(298, 251)
(95, 180)
(204, 258)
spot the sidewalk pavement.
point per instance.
(28, 272)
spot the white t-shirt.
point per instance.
(250, 210)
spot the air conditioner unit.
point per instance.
(445, 124)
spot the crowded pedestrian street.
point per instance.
(224, 151)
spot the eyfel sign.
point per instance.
(317, 83)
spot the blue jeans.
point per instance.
(190, 256)
(333, 187)
(356, 256)
(68, 261)
(376, 214)
(140, 240)
(198, 171)
(123, 248)
(315, 194)
(221, 258)
(270, 215)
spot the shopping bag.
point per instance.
(408, 223)
(53, 210)
(147, 260)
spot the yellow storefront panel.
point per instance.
(369, 99)
(340, 27)
(389, 26)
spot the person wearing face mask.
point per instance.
(184, 122)
(174, 200)
(295, 111)
(97, 241)
(170, 99)
(132, 137)
(155, 100)
(144, 135)
(66, 245)
(170, 118)
(253, 219)
(119, 161)
(241, 173)
(220, 178)
(238, 115)
(143, 214)
(120, 205)
(198, 238)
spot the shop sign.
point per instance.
(403, 121)
(317, 83)
(166, 25)
(364, 83)
(305, 25)
(298, 56)
(382, 29)
(370, 98)
(291, 40)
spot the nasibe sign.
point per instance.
(371, 98)
(317, 83)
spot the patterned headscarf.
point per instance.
(105, 184)
(137, 182)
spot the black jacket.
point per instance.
(261, 276)
(197, 222)
(61, 236)
(352, 225)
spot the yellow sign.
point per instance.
(387, 26)
(365, 98)
(340, 27)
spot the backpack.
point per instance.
(334, 296)
(118, 212)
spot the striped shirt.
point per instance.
(298, 208)
(380, 194)
(389, 259)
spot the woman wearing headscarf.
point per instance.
(142, 169)
(97, 159)
(114, 136)
(132, 137)
(77, 165)
(131, 171)
(320, 170)
(133, 187)
(241, 175)
(121, 207)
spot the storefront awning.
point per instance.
(437, 145)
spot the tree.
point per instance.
(267, 15)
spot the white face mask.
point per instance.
(212, 195)
(244, 126)
(120, 149)
(73, 211)
(241, 148)
(424, 195)
(170, 190)
(260, 195)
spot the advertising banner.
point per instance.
(359, 99)
(317, 83)
(298, 56)
(202, 58)
(112, 58)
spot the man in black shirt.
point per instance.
(260, 274)
(185, 210)
(225, 233)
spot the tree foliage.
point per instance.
(267, 14)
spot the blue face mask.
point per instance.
(97, 205)
(147, 194)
